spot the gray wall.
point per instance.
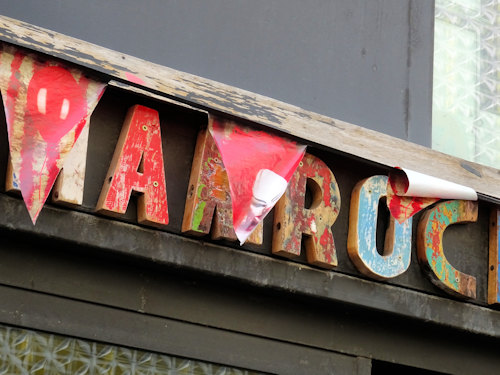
(368, 62)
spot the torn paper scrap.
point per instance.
(401, 207)
(259, 166)
(266, 191)
(47, 104)
(409, 192)
(421, 185)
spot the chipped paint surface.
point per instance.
(137, 165)
(292, 220)
(430, 246)
(68, 188)
(69, 185)
(208, 202)
(256, 162)
(494, 258)
(362, 238)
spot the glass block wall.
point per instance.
(27, 352)
(466, 97)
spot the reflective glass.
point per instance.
(466, 96)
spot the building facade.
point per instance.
(86, 292)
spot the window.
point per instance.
(29, 352)
(466, 97)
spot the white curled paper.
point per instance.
(415, 184)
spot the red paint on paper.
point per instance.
(56, 102)
(246, 152)
(46, 106)
(402, 207)
(12, 89)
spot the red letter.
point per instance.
(137, 165)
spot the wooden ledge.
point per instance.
(217, 97)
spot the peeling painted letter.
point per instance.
(430, 246)
(208, 192)
(137, 165)
(362, 238)
(292, 219)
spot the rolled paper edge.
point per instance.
(425, 186)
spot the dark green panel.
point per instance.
(98, 323)
(78, 273)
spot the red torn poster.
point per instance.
(402, 207)
(46, 106)
(409, 192)
(259, 166)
